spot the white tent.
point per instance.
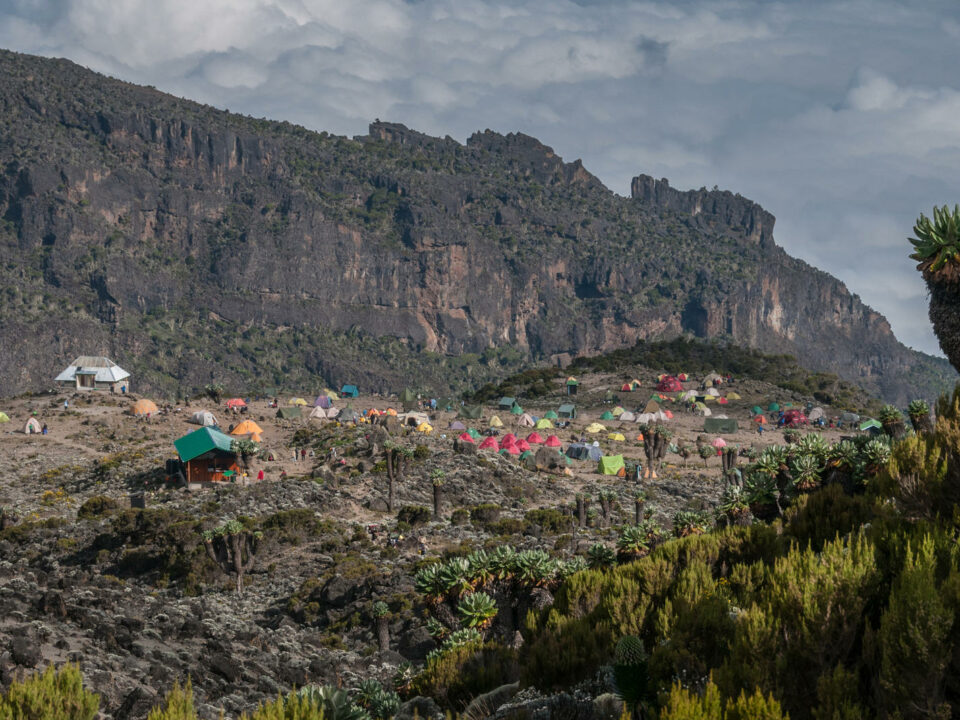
(319, 412)
(704, 412)
(815, 414)
(32, 426)
(646, 417)
(712, 391)
(627, 417)
(526, 420)
(204, 418)
(689, 395)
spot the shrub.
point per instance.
(550, 520)
(97, 506)
(414, 515)
(178, 705)
(484, 514)
(459, 516)
(54, 695)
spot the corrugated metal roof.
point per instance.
(106, 370)
(201, 441)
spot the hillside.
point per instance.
(189, 243)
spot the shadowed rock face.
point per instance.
(132, 219)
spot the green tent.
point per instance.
(871, 424)
(505, 403)
(470, 412)
(773, 407)
(445, 403)
(550, 415)
(516, 410)
(202, 441)
(756, 410)
(720, 426)
(568, 410)
(607, 416)
(289, 413)
(544, 424)
(408, 398)
(610, 464)
(526, 454)
(787, 405)
(473, 433)
(4, 417)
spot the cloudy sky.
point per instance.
(841, 118)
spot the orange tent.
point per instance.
(144, 407)
(236, 403)
(248, 427)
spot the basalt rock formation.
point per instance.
(190, 243)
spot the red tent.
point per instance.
(552, 441)
(534, 438)
(669, 384)
(793, 418)
(523, 445)
(489, 443)
(626, 387)
(235, 403)
(466, 437)
(511, 449)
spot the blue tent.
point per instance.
(349, 391)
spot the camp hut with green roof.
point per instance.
(572, 385)
(567, 411)
(207, 455)
(505, 403)
(408, 398)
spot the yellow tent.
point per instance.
(594, 428)
(618, 411)
(330, 394)
(424, 428)
(544, 424)
(496, 422)
(144, 407)
(4, 418)
(616, 437)
(733, 396)
(709, 398)
(297, 401)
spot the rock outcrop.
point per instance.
(189, 243)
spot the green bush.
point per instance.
(97, 506)
(414, 515)
(484, 514)
(178, 705)
(54, 695)
(550, 520)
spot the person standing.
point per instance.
(303, 454)
(260, 475)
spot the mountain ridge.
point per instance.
(195, 243)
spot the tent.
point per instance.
(234, 403)
(318, 413)
(720, 426)
(669, 384)
(636, 384)
(793, 418)
(682, 377)
(709, 398)
(773, 407)
(350, 391)
(756, 410)
(523, 445)
(289, 413)
(544, 424)
(611, 465)
(702, 410)
(465, 437)
(496, 422)
(607, 416)
(722, 401)
(760, 419)
(510, 450)
(457, 425)
(572, 386)
(712, 392)
(526, 420)
(712, 378)
(32, 427)
(626, 387)
(505, 403)
(248, 427)
(347, 415)
(618, 411)
(616, 437)
(871, 424)
(509, 439)
(473, 433)
(550, 415)
(534, 438)
(298, 401)
(203, 418)
(4, 418)
(849, 417)
(490, 443)
(516, 410)
(627, 417)
(719, 442)
(322, 401)
(470, 412)
(651, 407)
(815, 414)
(425, 428)
(408, 398)
(552, 441)
(144, 407)
(594, 428)
(567, 410)
(578, 451)
(689, 395)
(733, 396)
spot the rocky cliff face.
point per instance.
(191, 243)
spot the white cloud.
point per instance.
(840, 118)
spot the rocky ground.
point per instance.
(131, 595)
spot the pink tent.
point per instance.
(489, 443)
(523, 445)
(534, 438)
(719, 443)
(466, 437)
(508, 439)
(552, 441)
(512, 449)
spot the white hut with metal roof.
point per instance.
(94, 373)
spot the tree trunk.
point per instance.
(945, 313)
(637, 512)
(391, 492)
(581, 512)
(437, 495)
(383, 634)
